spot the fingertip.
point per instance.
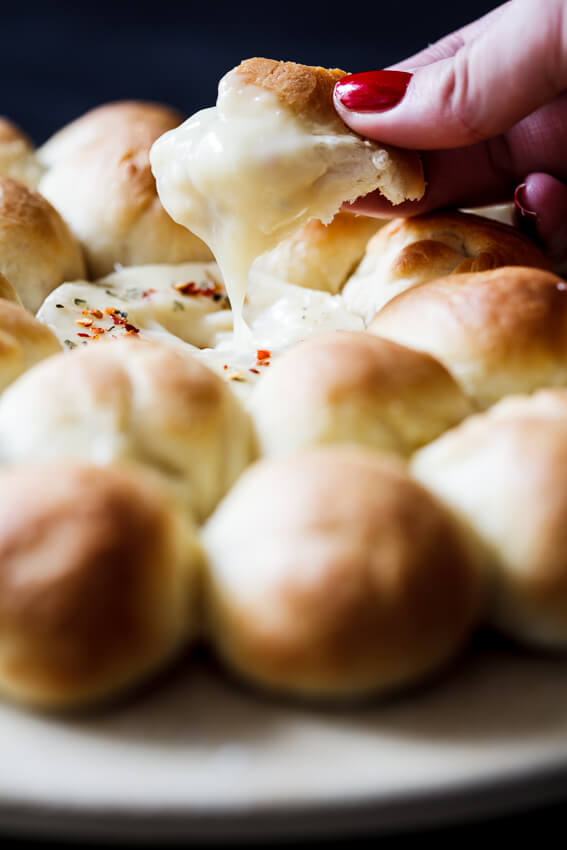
(541, 212)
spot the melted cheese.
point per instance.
(245, 174)
(187, 300)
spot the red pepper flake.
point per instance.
(225, 366)
(85, 323)
(147, 292)
(192, 288)
(256, 371)
(132, 332)
(110, 311)
(88, 336)
(98, 330)
(263, 354)
(131, 329)
(96, 313)
(84, 312)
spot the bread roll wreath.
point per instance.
(312, 451)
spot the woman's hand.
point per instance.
(488, 107)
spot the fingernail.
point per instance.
(520, 202)
(372, 91)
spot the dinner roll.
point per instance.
(98, 582)
(320, 256)
(504, 473)
(37, 249)
(499, 332)
(17, 155)
(332, 574)
(409, 251)
(23, 341)
(357, 388)
(271, 155)
(100, 181)
(131, 400)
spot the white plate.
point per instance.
(197, 757)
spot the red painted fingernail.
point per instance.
(520, 204)
(372, 91)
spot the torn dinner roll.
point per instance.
(332, 574)
(410, 251)
(355, 388)
(498, 332)
(503, 472)
(37, 249)
(99, 575)
(321, 256)
(99, 178)
(17, 155)
(271, 155)
(130, 400)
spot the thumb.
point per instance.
(499, 73)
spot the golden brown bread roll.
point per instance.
(24, 341)
(498, 332)
(503, 472)
(356, 388)
(17, 155)
(101, 182)
(320, 256)
(99, 573)
(37, 249)
(128, 400)
(410, 251)
(333, 574)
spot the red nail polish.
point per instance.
(372, 91)
(519, 203)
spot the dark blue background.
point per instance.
(59, 59)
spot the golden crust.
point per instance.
(499, 332)
(37, 249)
(305, 89)
(97, 582)
(407, 252)
(355, 388)
(101, 180)
(504, 473)
(333, 574)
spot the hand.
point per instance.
(487, 105)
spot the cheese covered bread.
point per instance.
(271, 155)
